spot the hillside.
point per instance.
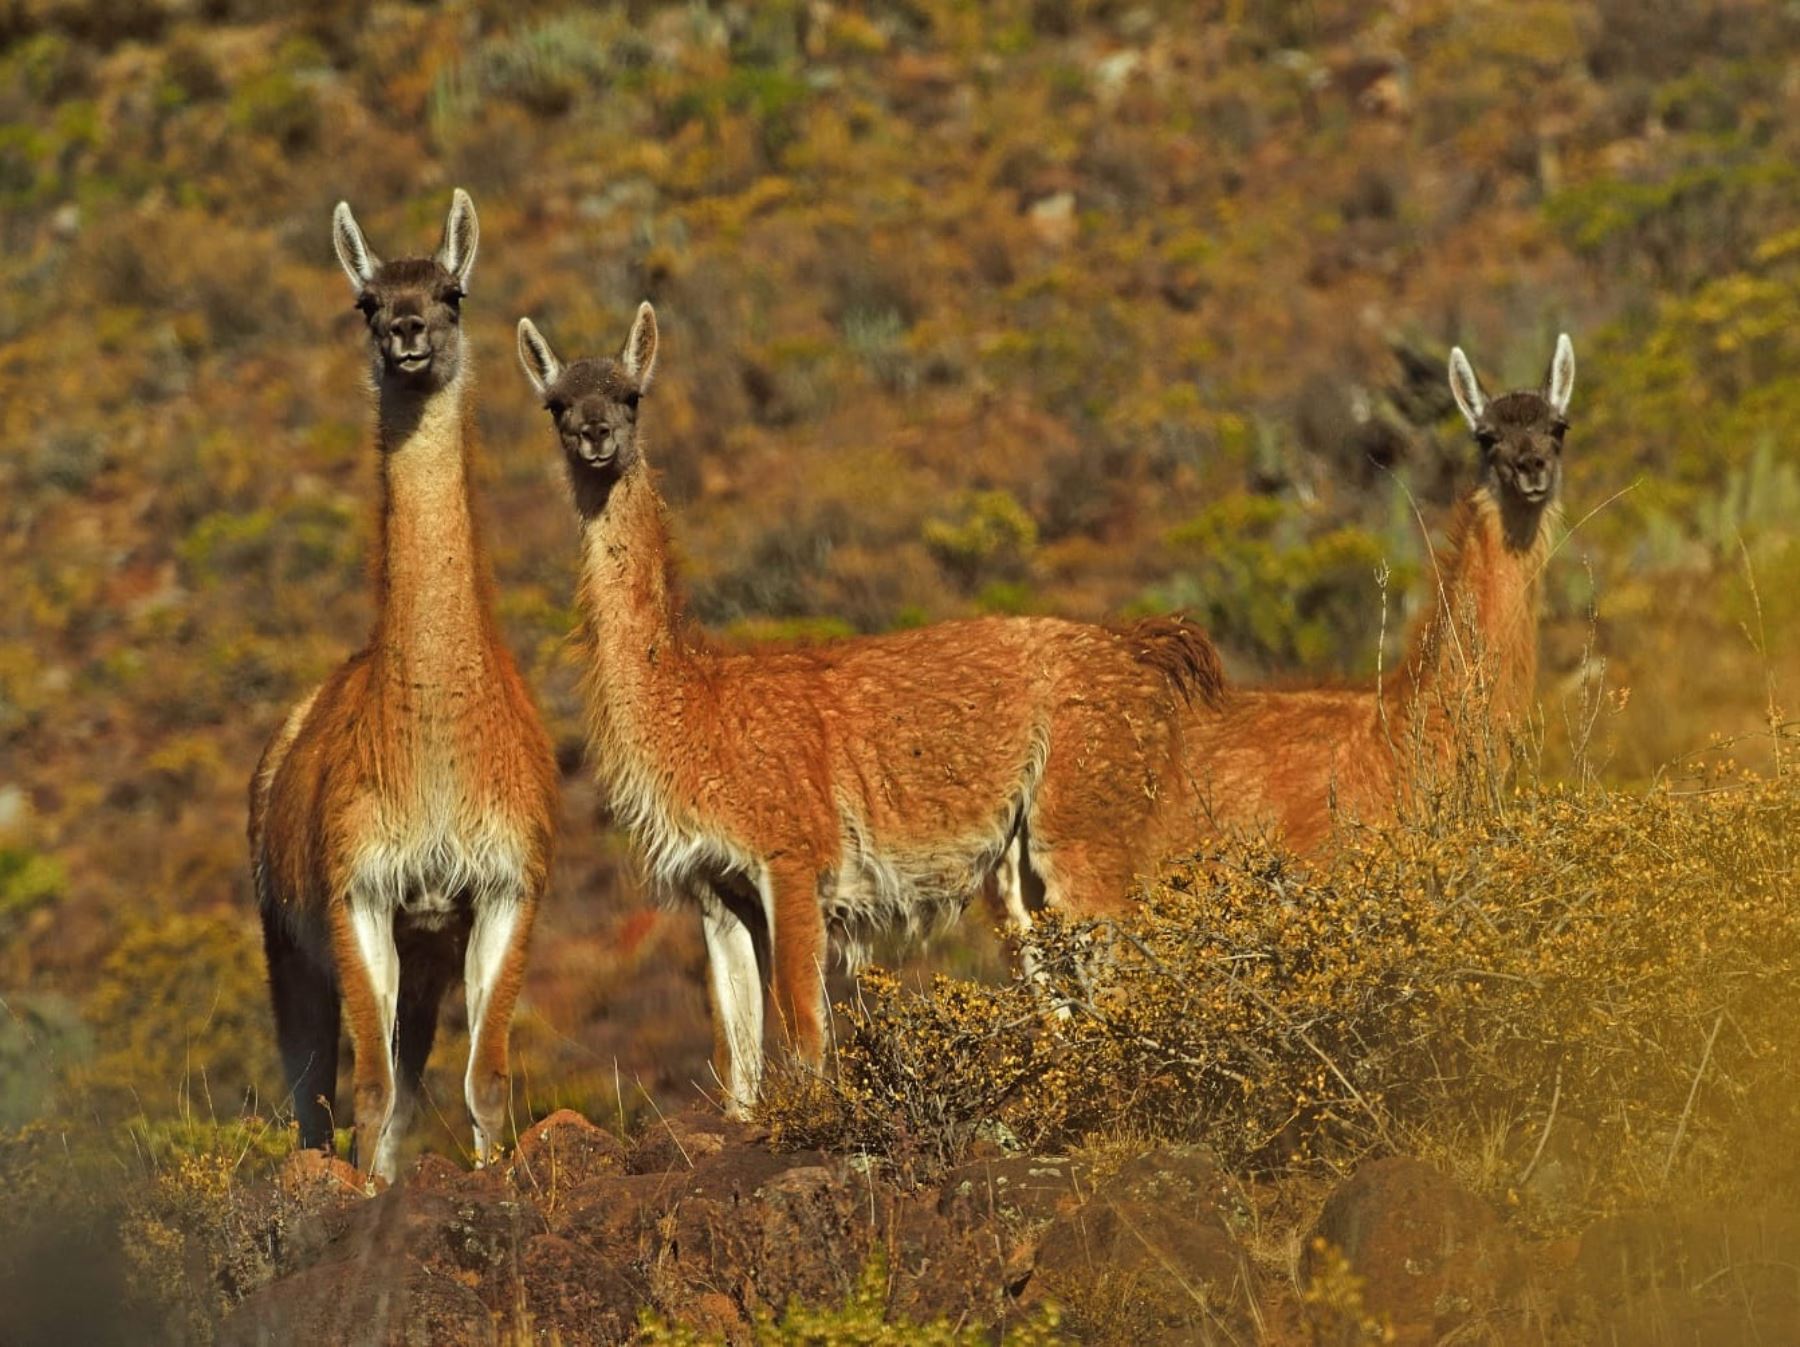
(1062, 306)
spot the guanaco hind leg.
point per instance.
(492, 971)
(307, 1019)
(737, 995)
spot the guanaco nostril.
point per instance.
(408, 327)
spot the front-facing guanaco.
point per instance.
(401, 818)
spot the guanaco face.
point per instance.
(1520, 434)
(413, 306)
(594, 402)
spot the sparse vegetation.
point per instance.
(1036, 305)
(1609, 964)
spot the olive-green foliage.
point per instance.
(28, 880)
(988, 536)
(1597, 954)
(180, 1012)
(41, 1036)
(861, 1321)
(1251, 574)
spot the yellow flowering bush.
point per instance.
(1617, 966)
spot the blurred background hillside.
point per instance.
(1065, 306)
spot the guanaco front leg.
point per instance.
(362, 940)
(493, 969)
(797, 929)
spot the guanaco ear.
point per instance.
(639, 355)
(540, 362)
(1559, 383)
(358, 262)
(1466, 388)
(461, 233)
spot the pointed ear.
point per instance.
(353, 252)
(1466, 388)
(540, 362)
(1559, 383)
(461, 233)
(639, 355)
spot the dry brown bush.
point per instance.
(1602, 964)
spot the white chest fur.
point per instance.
(430, 850)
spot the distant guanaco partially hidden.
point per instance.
(401, 817)
(796, 795)
(1297, 760)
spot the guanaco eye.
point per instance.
(1558, 430)
(631, 400)
(366, 304)
(1487, 439)
(556, 409)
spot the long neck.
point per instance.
(434, 621)
(640, 650)
(1477, 647)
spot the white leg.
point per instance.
(387, 1151)
(374, 931)
(490, 943)
(737, 1001)
(1009, 877)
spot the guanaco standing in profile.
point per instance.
(797, 796)
(1299, 759)
(401, 818)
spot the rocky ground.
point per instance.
(702, 1223)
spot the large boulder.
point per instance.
(562, 1152)
(1151, 1254)
(1432, 1257)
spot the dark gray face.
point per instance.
(1521, 439)
(413, 308)
(1520, 434)
(594, 404)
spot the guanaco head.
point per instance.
(413, 305)
(1520, 433)
(594, 402)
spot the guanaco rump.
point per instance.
(803, 796)
(401, 818)
(1296, 760)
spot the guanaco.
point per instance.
(1298, 760)
(801, 797)
(401, 818)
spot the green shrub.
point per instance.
(28, 880)
(989, 535)
(181, 1015)
(1261, 584)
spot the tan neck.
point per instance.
(1478, 644)
(639, 647)
(434, 618)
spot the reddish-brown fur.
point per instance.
(1296, 761)
(414, 789)
(859, 784)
